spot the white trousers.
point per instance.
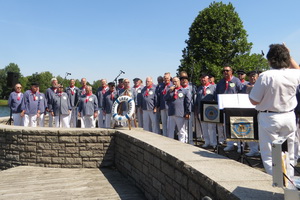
(100, 118)
(181, 124)
(108, 121)
(88, 121)
(253, 146)
(190, 131)
(157, 116)
(42, 120)
(150, 121)
(73, 117)
(30, 120)
(139, 113)
(209, 133)
(164, 121)
(51, 120)
(270, 127)
(18, 120)
(62, 121)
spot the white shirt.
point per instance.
(275, 90)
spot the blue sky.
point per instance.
(97, 38)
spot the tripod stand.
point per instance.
(242, 156)
(10, 120)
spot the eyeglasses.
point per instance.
(19, 87)
(226, 70)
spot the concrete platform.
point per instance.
(35, 183)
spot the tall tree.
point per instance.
(216, 38)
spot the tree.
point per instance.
(4, 90)
(43, 79)
(216, 38)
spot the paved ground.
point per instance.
(255, 162)
(37, 183)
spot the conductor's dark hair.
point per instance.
(279, 56)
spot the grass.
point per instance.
(3, 102)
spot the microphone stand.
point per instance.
(116, 79)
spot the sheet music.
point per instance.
(234, 101)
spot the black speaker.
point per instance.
(12, 79)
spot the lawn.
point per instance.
(3, 102)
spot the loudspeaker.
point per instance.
(12, 79)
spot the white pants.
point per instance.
(139, 114)
(100, 118)
(150, 121)
(209, 133)
(199, 133)
(164, 121)
(18, 120)
(88, 121)
(270, 127)
(108, 121)
(64, 121)
(190, 125)
(181, 124)
(73, 117)
(253, 146)
(30, 120)
(51, 119)
(42, 120)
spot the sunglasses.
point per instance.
(226, 70)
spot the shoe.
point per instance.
(239, 150)
(229, 148)
(251, 153)
(205, 145)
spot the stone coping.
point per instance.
(226, 177)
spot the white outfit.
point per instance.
(73, 117)
(179, 122)
(209, 133)
(275, 90)
(150, 121)
(88, 121)
(64, 121)
(30, 120)
(42, 120)
(100, 118)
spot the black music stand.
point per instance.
(241, 125)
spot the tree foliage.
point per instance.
(216, 38)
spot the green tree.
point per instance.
(43, 79)
(216, 38)
(4, 90)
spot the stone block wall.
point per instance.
(167, 169)
(51, 147)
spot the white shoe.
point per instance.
(205, 145)
(251, 153)
(229, 148)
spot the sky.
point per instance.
(97, 39)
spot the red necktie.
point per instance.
(227, 83)
(165, 89)
(204, 89)
(72, 90)
(112, 96)
(103, 90)
(176, 93)
(147, 91)
(87, 97)
(19, 96)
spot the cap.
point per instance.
(184, 77)
(251, 73)
(34, 84)
(240, 71)
(136, 79)
(120, 79)
(111, 84)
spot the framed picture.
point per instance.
(210, 112)
(241, 123)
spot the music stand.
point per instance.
(241, 125)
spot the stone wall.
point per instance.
(167, 169)
(52, 147)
